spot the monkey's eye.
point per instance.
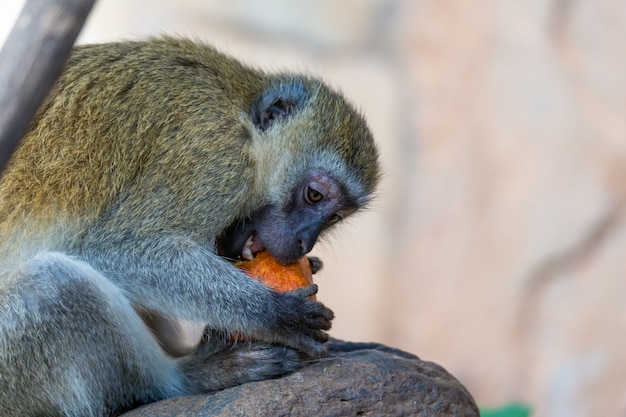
(313, 194)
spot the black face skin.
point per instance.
(290, 232)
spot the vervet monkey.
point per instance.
(149, 168)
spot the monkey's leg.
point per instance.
(71, 344)
(219, 363)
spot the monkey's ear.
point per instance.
(280, 101)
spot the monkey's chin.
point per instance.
(252, 246)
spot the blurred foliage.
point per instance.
(510, 410)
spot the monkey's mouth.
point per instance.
(251, 247)
(237, 243)
(240, 240)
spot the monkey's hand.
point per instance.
(300, 323)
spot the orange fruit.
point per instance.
(265, 268)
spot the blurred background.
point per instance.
(496, 245)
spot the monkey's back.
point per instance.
(122, 114)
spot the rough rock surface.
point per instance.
(355, 379)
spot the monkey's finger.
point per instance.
(321, 321)
(318, 323)
(320, 336)
(315, 263)
(317, 316)
(321, 311)
(304, 292)
(311, 344)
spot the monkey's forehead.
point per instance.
(344, 130)
(326, 134)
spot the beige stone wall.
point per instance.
(497, 243)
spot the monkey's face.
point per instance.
(317, 162)
(289, 231)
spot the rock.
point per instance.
(354, 379)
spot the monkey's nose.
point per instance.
(303, 247)
(307, 238)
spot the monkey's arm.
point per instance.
(177, 277)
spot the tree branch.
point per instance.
(31, 61)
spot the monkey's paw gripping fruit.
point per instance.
(266, 269)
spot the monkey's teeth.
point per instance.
(246, 252)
